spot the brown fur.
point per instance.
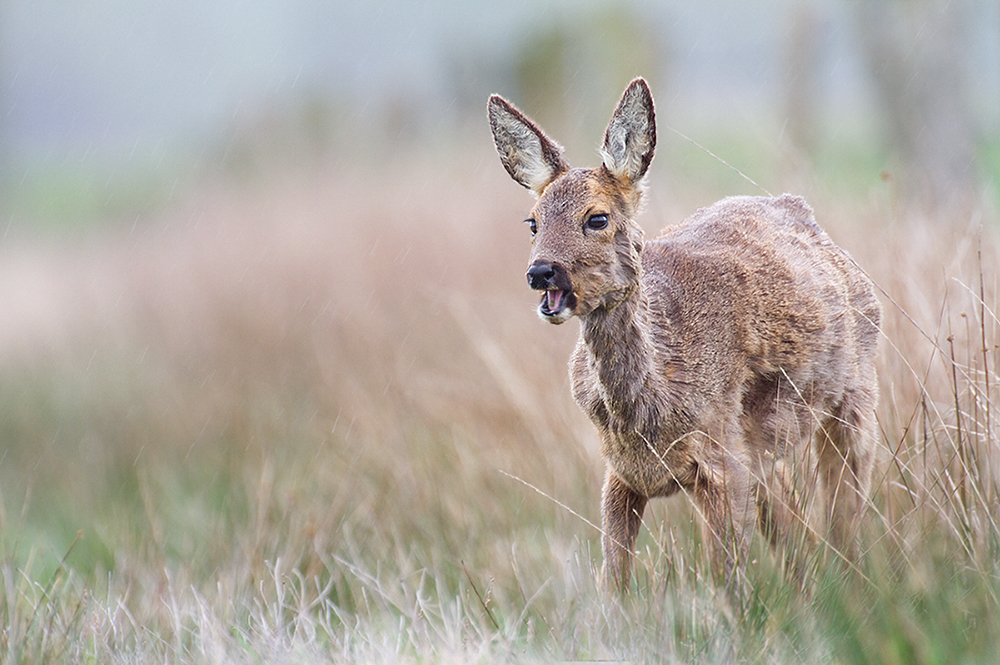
(707, 355)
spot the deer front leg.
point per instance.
(621, 509)
(780, 517)
(724, 493)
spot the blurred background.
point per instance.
(261, 271)
(111, 108)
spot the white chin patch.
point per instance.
(561, 316)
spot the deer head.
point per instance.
(585, 243)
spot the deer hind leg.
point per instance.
(845, 450)
(621, 509)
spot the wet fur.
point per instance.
(709, 354)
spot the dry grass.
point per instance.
(318, 421)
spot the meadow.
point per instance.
(313, 418)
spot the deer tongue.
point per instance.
(553, 299)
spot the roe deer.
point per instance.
(707, 354)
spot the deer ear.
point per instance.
(530, 157)
(631, 135)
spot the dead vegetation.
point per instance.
(313, 421)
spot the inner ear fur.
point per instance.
(530, 157)
(630, 138)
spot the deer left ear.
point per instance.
(530, 157)
(630, 137)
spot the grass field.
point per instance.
(316, 419)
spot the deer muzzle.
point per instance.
(552, 279)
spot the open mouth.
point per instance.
(552, 301)
(557, 305)
(556, 287)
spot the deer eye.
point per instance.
(597, 222)
(532, 225)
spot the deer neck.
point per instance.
(619, 343)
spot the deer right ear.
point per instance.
(530, 157)
(630, 138)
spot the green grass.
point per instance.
(337, 433)
(989, 156)
(89, 192)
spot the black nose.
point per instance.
(541, 275)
